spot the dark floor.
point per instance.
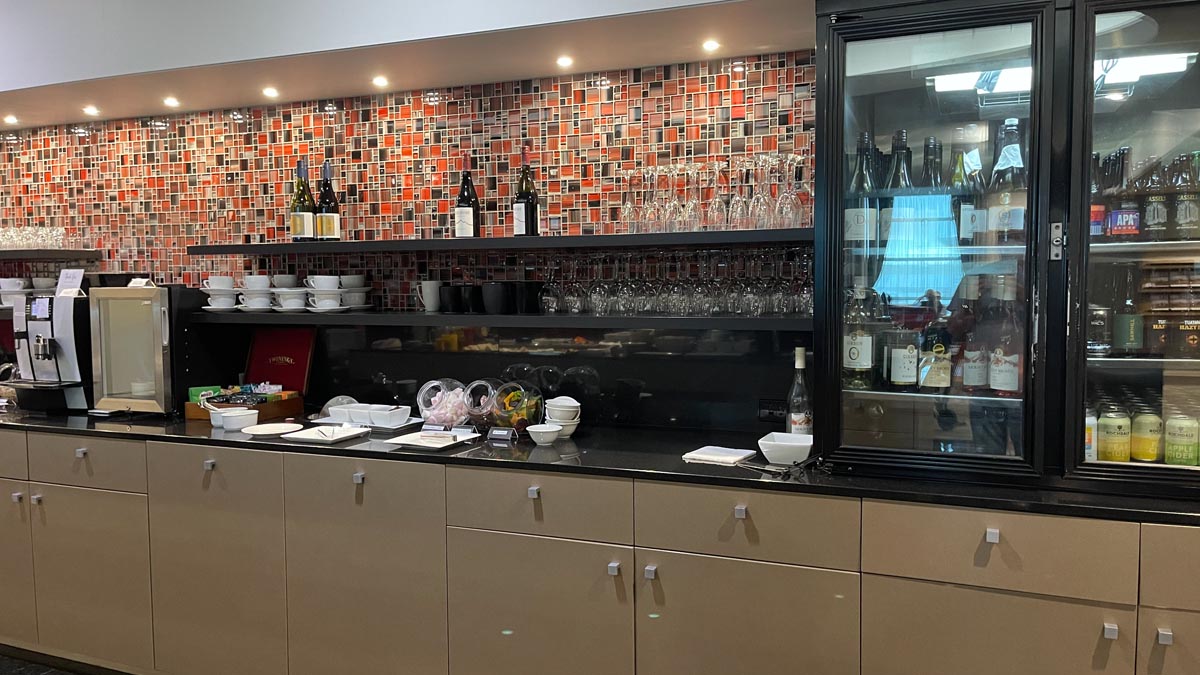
(14, 667)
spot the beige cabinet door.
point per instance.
(18, 613)
(216, 535)
(528, 605)
(704, 614)
(14, 462)
(931, 628)
(1168, 642)
(366, 566)
(91, 558)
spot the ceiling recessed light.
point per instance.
(91, 110)
(711, 45)
(380, 81)
(10, 119)
(171, 102)
(565, 61)
(270, 92)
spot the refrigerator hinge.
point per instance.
(1058, 239)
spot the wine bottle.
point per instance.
(962, 192)
(328, 220)
(302, 206)
(1124, 219)
(974, 352)
(861, 211)
(899, 182)
(800, 412)
(1128, 323)
(935, 370)
(466, 208)
(1006, 368)
(973, 165)
(525, 205)
(1009, 187)
(1185, 211)
(931, 165)
(1152, 205)
(857, 342)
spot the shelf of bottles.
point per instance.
(934, 246)
(1143, 278)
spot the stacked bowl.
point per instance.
(565, 412)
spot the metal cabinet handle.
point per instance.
(36, 499)
(535, 492)
(1166, 636)
(1111, 631)
(17, 497)
(210, 464)
(614, 569)
(80, 453)
(359, 477)
(992, 535)
(739, 512)
(651, 571)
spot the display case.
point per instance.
(935, 242)
(1135, 393)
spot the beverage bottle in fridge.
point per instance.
(800, 412)
(1098, 211)
(1008, 190)
(936, 369)
(1128, 323)
(1006, 369)
(1152, 201)
(857, 347)
(1185, 210)
(861, 209)
(1124, 218)
(962, 190)
(899, 182)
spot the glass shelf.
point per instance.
(929, 398)
(1141, 363)
(1158, 251)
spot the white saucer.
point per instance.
(364, 289)
(366, 306)
(327, 310)
(274, 429)
(324, 290)
(220, 291)
(289, 310)
(209, 308)
(246, 308)
(289, 291)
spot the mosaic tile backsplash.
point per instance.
(143, 190)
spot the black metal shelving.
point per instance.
(50, 254)
(614, 241)
(766, 323)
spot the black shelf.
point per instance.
(595, 241)
(766, 323)
(50, 254)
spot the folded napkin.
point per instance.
(712, 454)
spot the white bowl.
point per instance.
(214, 416)
(563, 402)
(544, 434)
(563, 414)
(781, 448)
(341, 413)
(568, 428)
(390, 416)
(240, 419)
(360, 413)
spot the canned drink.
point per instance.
(1113, 437)
(1090, 422)
(1147, 442)
(1182, 441)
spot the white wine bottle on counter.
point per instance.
(302, 207)
(525, 205)
(800, 412)
(328, 220)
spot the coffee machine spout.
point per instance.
(43, 348)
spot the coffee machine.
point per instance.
(53, 344)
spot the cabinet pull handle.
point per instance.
(992, 535)
(17, 497)
(210, 464)
(80, 453)
(36, 499)
(614, 569)
(1111, 631)
(1166, 636)
(651, 572)
(535, 492)
(739, 512)
(359, 477)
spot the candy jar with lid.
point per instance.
(443, 402)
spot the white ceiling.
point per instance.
(663, 37)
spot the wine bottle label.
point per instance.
(935, 367)
(856, 351)
(904, 365)
(1004, 371)
(1187, 212)
(1010, 158)
(1124, 222)
(518, 219)
(861, 224)
(972, 162)
(1096, 220)
(329, 225)
(966, 221)
(1128, 331)
(302, 225)
(800, 422)
(1156, 213)
(464, 221)
(975, 368)
(885, 223)
(1006, 218)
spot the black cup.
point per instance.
(472, 299)
(452, 299)
(498, 297)
(528, 297)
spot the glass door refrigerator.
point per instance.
(935, 249)
(1134, 388)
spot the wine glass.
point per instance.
(650, 219)
(672, 212)
(716, 215)
(787, 207)
(761, 208)
(739, 205)
(693, 209)
(628, 213)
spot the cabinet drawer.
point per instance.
(1168, 642)
(575, 507)
(754, 524)
(1071, 557)
(929, 628)
(1169, 555)
(14, 463)
(88, 461)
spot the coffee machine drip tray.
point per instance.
(41, 384)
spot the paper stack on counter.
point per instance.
(712, 454)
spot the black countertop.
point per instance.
(652, 454)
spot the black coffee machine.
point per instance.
(52, 335)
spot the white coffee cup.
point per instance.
(355, 298)
(429, 295)
(322, 282)
(44, 283)
(11, 299)
(14, 284)
(255, 299)
(284, 280)
(218, 282)
(325, 300)
(292, 301)
(224, 300)
(257, 282)
(353, 280)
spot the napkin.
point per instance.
(713, 454)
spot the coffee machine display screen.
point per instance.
(40, 308)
